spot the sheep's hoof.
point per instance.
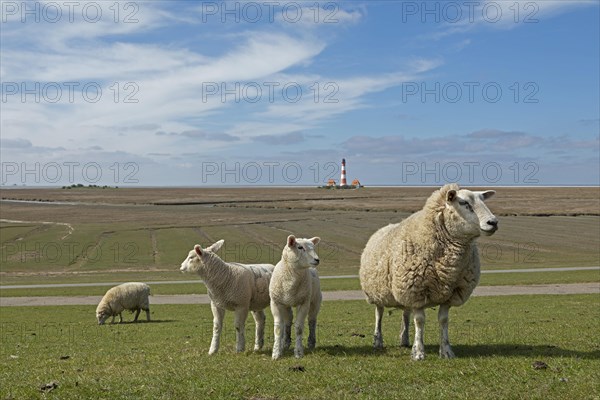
(446, 353)
(417, 355)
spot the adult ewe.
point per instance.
(234, 287)
(429, 259)
(132, 296)
(295, 284)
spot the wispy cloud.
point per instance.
(478, 142)
(490, 14)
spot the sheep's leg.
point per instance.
(137, 314)
(218, 314)
(112, 321)
(289, 316)
(418, 349)
(378, 336)
(312, 326)
(404, 342)
(120, 318)
(240, 329)
(278, 312)
(301, 313)
(147, 314)
(445, 349)
(259, 320)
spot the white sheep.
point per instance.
(234, 287)
(295, 284)
(429, 259)
(132, 296)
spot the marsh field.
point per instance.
(116, 235)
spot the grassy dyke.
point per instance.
(140, 234)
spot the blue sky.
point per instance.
(259, 93)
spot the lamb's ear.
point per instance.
(216, 246)
(487, 194)
(315, 240)
(291, 241)
(451, 195)
(198, 250)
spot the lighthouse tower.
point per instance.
(343, 177)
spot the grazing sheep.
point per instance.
(234, 287)
(295, 284)
(429, 259)
(132, 296)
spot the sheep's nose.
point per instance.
(317, 261)
(493, 222)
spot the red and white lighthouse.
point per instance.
(343, 177)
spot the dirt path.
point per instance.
(570, 288)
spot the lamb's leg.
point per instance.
(404, 342)
(240, 329)
(147, 314)
(137, 314)
(218, 314)
(259, 320)
(289, 316)
(301, 313)
(378, 336)
(445, 349)
(418, 349)
(278, 329)
(312, 325)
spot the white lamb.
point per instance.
(234, 287)
(429, 259)
(295, 284)
(132, 296)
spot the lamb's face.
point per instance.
(196, 258)
(300, 253)
(468, 214)
(191, 263)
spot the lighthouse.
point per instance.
(343, 177)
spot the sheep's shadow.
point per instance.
(342, 350)
(466, 351)
(519, 350)
(140, 322)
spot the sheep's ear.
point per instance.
(291, 241)
(487, 194)
(451, 195)
(315, 240)
(216, 246)
(198, 249)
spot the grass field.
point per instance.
(496, 340)
(143, 234)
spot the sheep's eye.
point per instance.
(464, 203)
(300, 248)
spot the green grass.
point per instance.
(537, 278)
(526, 278)
(496, 340)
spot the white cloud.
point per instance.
(492, 14)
